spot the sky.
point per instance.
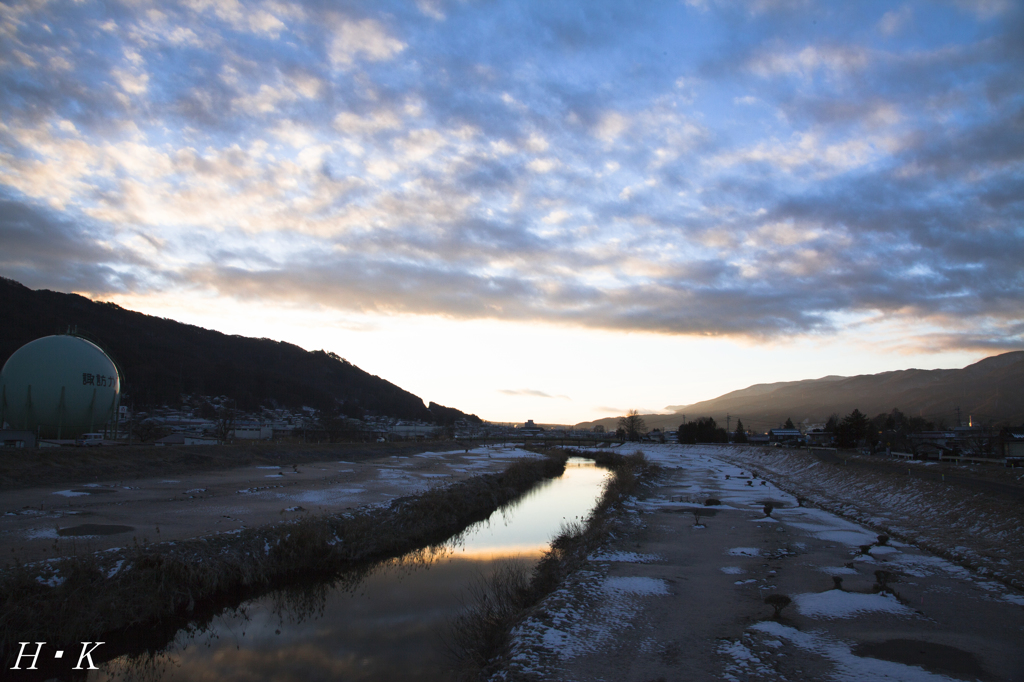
(555, 211)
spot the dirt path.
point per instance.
(52, 520)
(671, 599)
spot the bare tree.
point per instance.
(633, 424)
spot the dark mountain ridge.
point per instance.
(987, 392)
(162, 359)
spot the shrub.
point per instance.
(481, 632)
(883, 540)
(711, 502)
(837, 582)
(777, 602)
(478, 639)
(768, 508)
(883, 578)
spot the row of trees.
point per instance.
(888, 427)
(849, 431)
(704, 430)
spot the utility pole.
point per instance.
(728, 420)
(958, 416)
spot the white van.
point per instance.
(89, 440)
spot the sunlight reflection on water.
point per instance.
(386, 625)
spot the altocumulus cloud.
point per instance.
(530, 392)
(744, 168)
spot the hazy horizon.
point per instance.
(547, 211)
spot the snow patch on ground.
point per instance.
(848, 666)
(922, 566)
(847, 537)
(840, 604)
(732, 570)
(559, 632)
(634, 585)
(69, 493)
(744, 551)
(625, 557)
(41, 533)
(837, 570)
(742, 663)
(967, 527)
(324, 497)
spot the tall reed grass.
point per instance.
(480, 636)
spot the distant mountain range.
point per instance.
(990, 391)
(162, 359)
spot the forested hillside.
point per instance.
(162, 359)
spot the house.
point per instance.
(817, 435)
(182, 438)
(655, 436)
(412, 431)
(17, 439)
(1011, 445)
(785, 436)
(530, 430)
(252, 432)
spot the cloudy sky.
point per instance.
(547, 210)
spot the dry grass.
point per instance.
(479, 637)
(70, 465)
(92, 594)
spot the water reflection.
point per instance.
(526, 527)
(383, 622)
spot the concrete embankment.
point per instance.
(978, 529)
(683, 586)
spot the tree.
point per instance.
(852, 429)
(741, 435)
(226, 419)
(789, 424)
(633, 424)
(149, 429)
(704, 430)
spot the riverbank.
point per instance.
(678, 591)
(74, 466)
(980, 530)
(481, 634)
(84, 594)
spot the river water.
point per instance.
(387, 625)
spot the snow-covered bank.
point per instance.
(976, 530)
(680, 590)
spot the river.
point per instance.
(388, 624)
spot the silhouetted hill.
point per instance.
(161, 359)
(989, 392)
